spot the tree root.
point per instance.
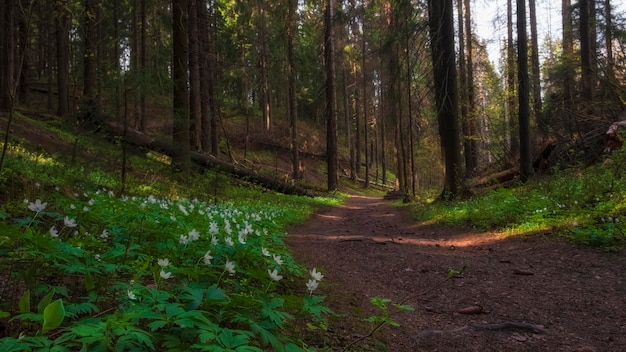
(509, 325)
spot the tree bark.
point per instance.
(264, 63)
(523, 82)
(510, 84)
(7, 55)
(585, 52)
(61, 22)
(91, 46)
(181, 158)
(535, 69)
(446, 94)
(471, 106)
(293, 108)
(195, 109)
(331, 98)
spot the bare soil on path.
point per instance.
(530, 293)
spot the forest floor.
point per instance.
(523, 293)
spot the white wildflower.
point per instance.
(37, 206)
(316, 275)
(165, 275)
(213, 229)
(274, 275)
(230, 267)
(194, 235)
(207, 258)
(163, 262)
(54, 233)
(277, 259)
(214, 241)
(69, 222)
(266, 252)
(311, 285)
(183, 239)
(229, 241)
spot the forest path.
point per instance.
(545, 294)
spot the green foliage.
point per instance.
(95, 262)
(585, 205)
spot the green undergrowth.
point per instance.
(586, 205)
(178, 262)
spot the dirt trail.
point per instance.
(535, 293)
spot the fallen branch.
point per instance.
(509, 325)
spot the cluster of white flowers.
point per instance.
(313, 283)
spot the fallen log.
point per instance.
(162, 146)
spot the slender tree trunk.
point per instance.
(24, 55)
(264, 63)
(471, 106)
(195, 109)
(293, 108)
(7, 54)
(568, 50)
(585, 52)
(523, 81)
(446, 94)
(331, 99)
(143, 54)
(510, 84)
(356, 147)
(205, 77)
(61, 21)
(90, 62)
(536, 72)
(463, 91)
(181, 156)
(364, 98)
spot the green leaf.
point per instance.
(4, 314)
(45, 301)
(53, 315)
(24, 303)
(216, 294)
(404, 307)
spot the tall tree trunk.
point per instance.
(523, 82)
(510, 84)
(61, 23)
(293, 108)
(331, 99)
(442, 38)
(143, 54)
(205, 77)
(7, 54)
(195, 110)
(181, 156)
(463, 87)
(357, 123)
(364, 98)
(568, 50)
(264, 63)
(90, 63)
(471, 106)
(535, 69)
(585, 52)
(24, 56)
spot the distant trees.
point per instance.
(198, 70)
